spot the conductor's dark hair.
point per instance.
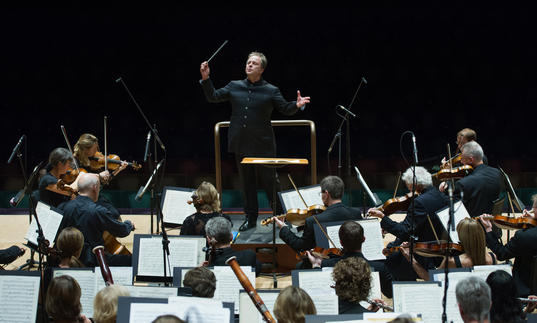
(334, 186)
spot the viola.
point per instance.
(323, 253)
(397, 204)
(453, 173)
(97, 162)
(437, 248)
(297, 216)
(512, 223)
(72, 174)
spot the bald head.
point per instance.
(88, 183)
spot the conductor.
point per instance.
(250, 131)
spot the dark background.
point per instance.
(430, 70)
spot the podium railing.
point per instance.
(275, 123)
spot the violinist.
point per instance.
(472, 240)
(351, 237)
(479, 189)
(463, 136)
(426, 224)
(207, 204)
(522, 246)
(332, 188)
(92, 220)
(59, 161)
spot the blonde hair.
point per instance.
(105, 303)
(208, 197)
(472, 237)
(70, 243)
(86, 141)
(292, 305)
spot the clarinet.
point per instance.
(245, 282)
(105, 270)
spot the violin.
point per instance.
(455, 160)
(453, 173)
(97, 162)
(397, 204)
(323, 253)
(437, 248)
(61, 185)
(297, 216)
(512, 223)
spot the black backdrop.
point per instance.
(430, 70)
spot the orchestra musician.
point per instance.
(522, 246)
(250, 132)
(427, 226)
(207, 204)
(351, 237)
(332, 188)
(59, 161)
(464, 136)
(92, 219)
(472, 240)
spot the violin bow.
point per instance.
(69, 145)
(296, 189)
(451, 164)
(105, 144)
(432, 227)
(397, 185)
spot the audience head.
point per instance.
(505, 305)
(63, 299)
(473, 298)
(70, 243)
(471, 154)
(351, 236)
(292, 305)
(352, 277)
(168, 319)
(403, 318)
(218, 230)
(423, 178)
(202, 282)
(332, 189)
(105, 303)
(206, 198)
(472, 238)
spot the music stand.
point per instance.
(274, 163)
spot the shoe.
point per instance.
(246, 226)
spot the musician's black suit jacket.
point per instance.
(333, 213)
(250, 131)
(481, 188)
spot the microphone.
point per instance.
(118, 80)
(415, 149)
(364, 80)
(346, 110)
(15, 200)
(17, 146)
(451, 213)
(147, 146)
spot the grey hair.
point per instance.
(219, 229)
(474, 298)
(87, 182)
(334, 186)
(423, 177)
(473, 149)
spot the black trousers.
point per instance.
(267, 180)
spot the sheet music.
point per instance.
(380, 317)
(422, 298)
(228, 285)
(201, 309)
(18, 298)
(248, 312)
(175, 207)
(452, 309)
(151, 291)
(86, 280)
(373, 244)
(374, 292)
(484, 271)
(460, 213)
(317, 280)
(120, 275)
(147, 312)
(50, 222)
(325, 304)
(291, 199)
(183, 253)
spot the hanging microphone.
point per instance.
(364, 80)
(118, 80)
(147, 146)
(17, 146)
(346, 110)
(415, 149)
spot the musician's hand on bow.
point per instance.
(279, 222)
(204, 70)
(104, 176)
(375, 212)
(301, 100)
(442, 187)
(486, 222)
(315, 261)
